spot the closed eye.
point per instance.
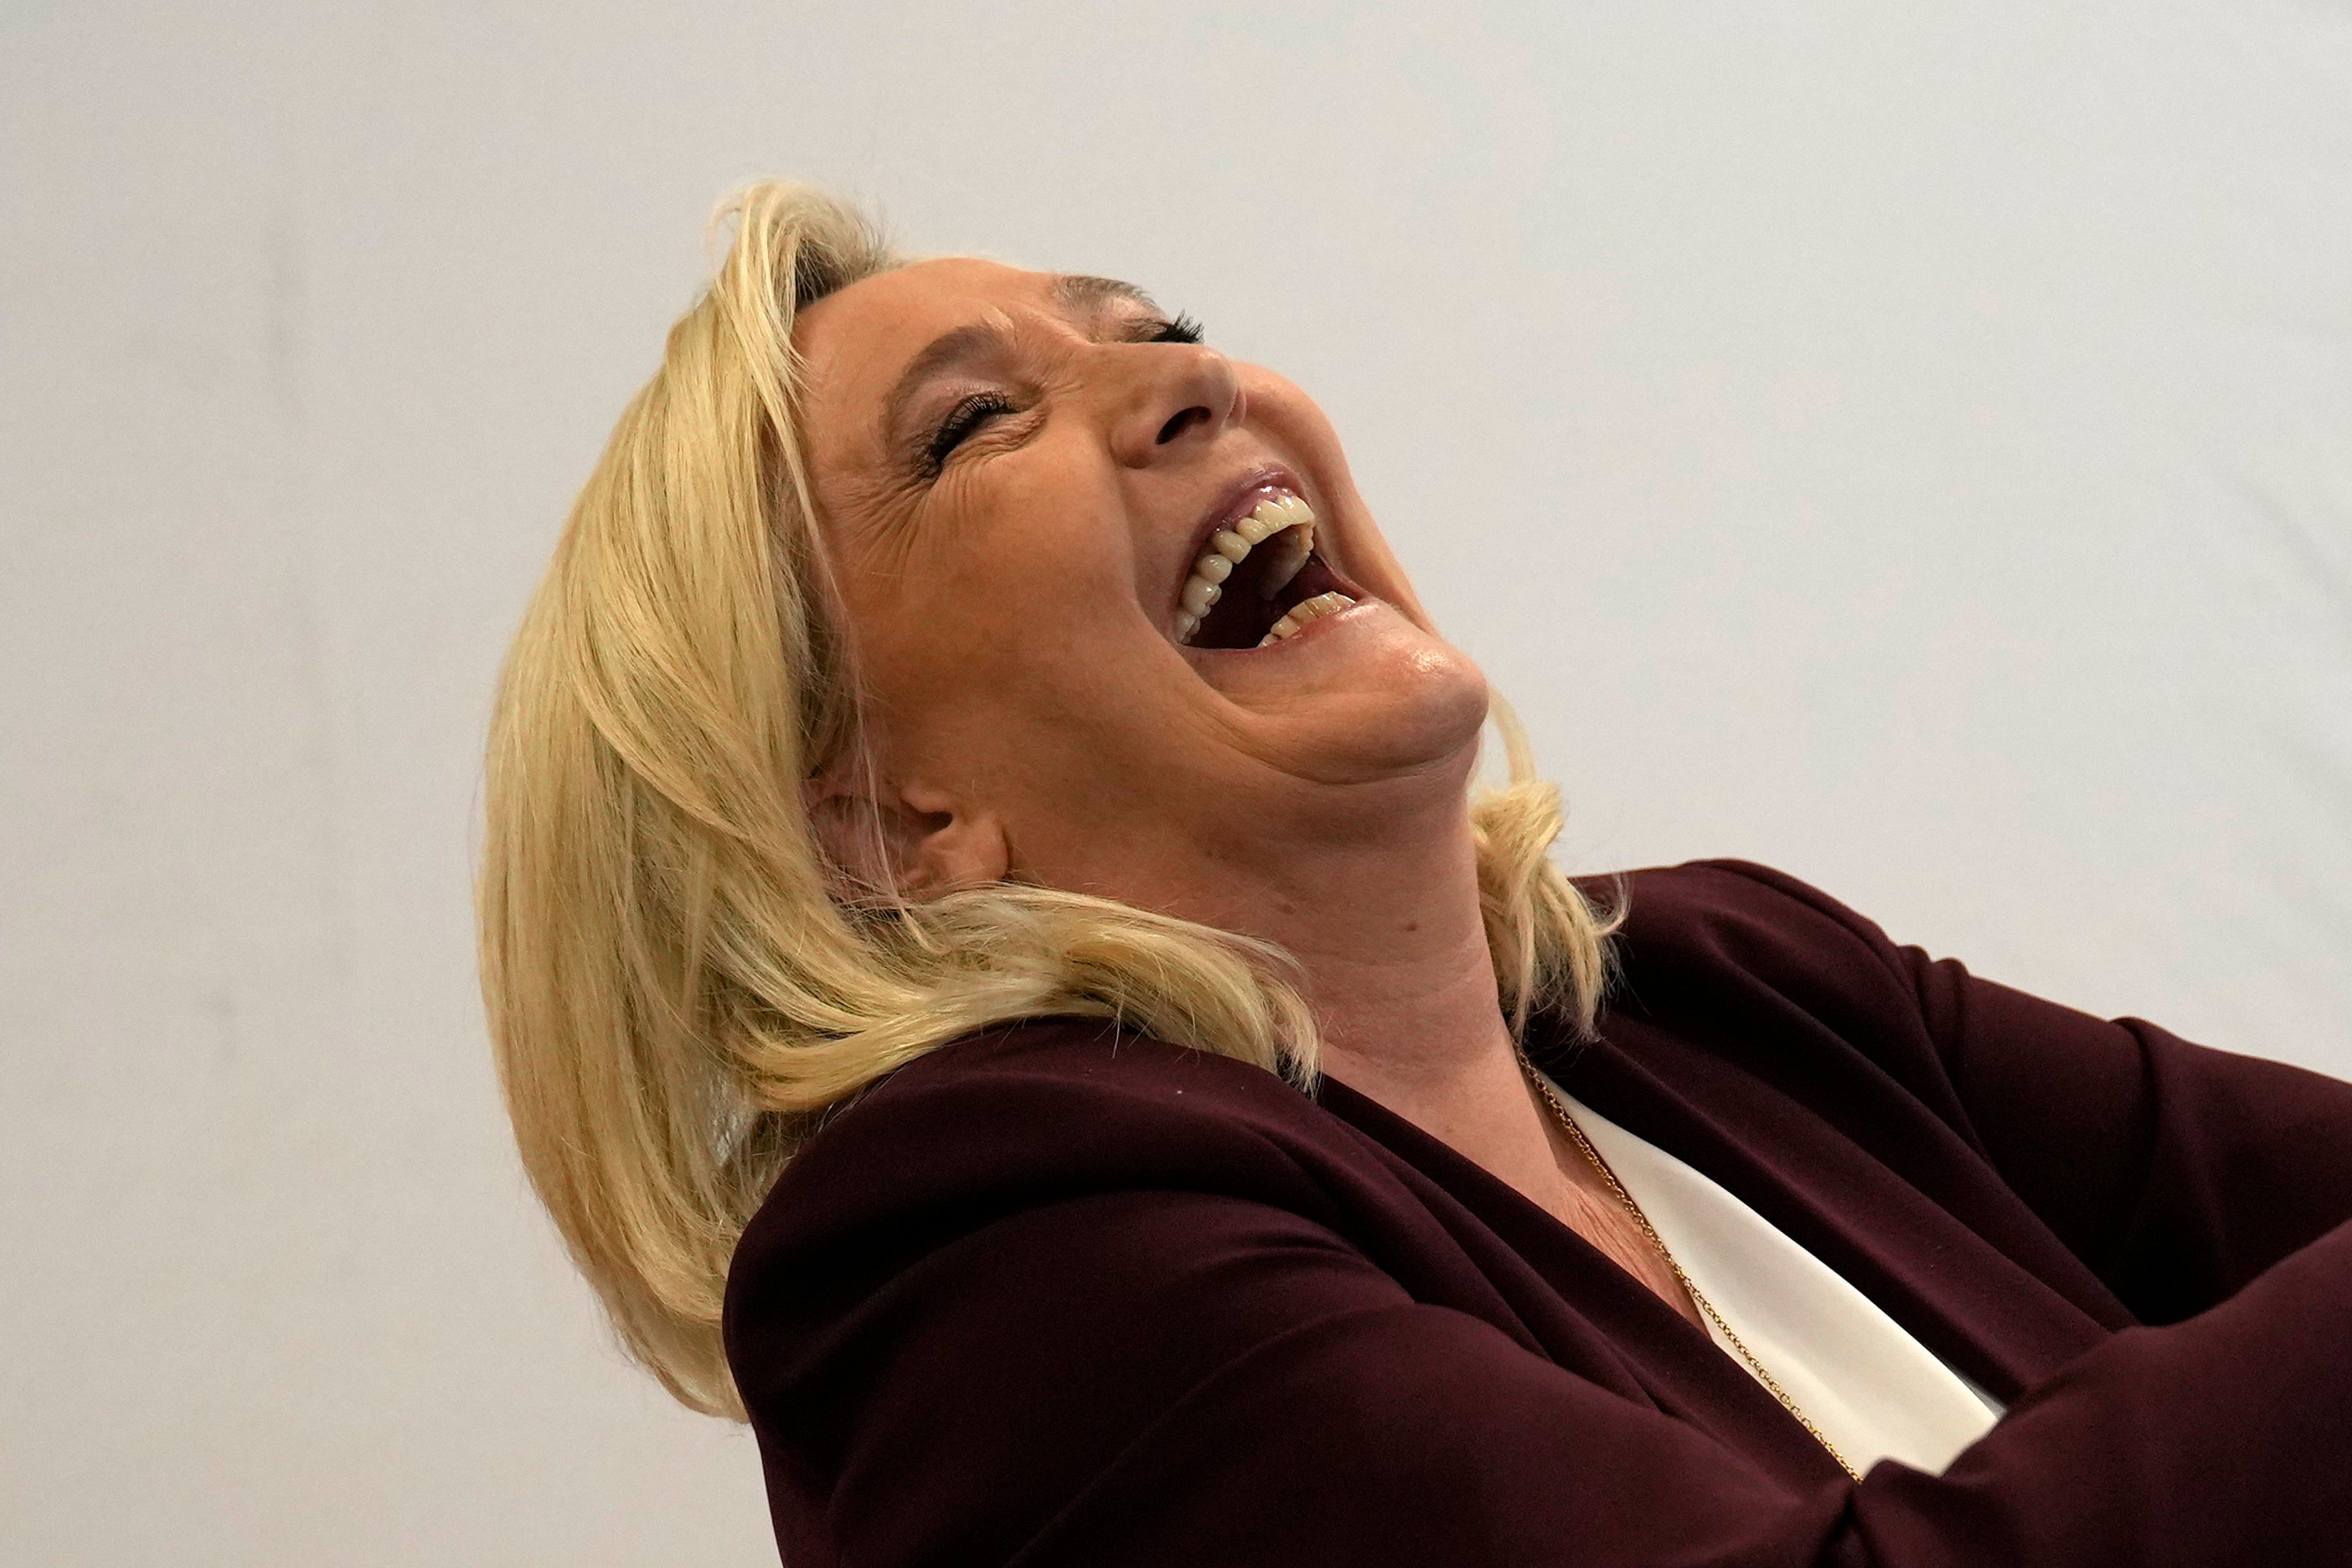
(1182, 330)
(962, 419)
(968, 416)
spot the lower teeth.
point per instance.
(1299, 614)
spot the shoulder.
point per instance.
(1732, 919)
(1725, 950)
(1053, 1100)
(1019, 1258)
(1027, 1116)
(1035, 1239)
(1736, 907)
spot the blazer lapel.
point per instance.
(1889, 1198)
(1584, 1311)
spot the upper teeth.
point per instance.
(1281, 517)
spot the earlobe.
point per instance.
(913, 844)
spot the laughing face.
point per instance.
(1122, 625)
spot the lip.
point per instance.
(1266, 478)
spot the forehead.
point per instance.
(855, 345)
(891, 315)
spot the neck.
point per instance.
(1396, 962)
(1385, 922)
(1382, 912)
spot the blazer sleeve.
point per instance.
(1037, 1323)
(2178, 1172)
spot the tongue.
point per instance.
(1313, 578)
(1242, 617)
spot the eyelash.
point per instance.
(974, 411)
(962, 419)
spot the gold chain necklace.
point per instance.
(1771, 1384)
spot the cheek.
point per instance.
(1013, 589)
(1041, 572)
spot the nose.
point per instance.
(1182, 396)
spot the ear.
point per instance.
(914, 842)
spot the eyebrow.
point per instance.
(952, 348)
(1077, 291)
(1084, 292)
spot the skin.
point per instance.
(1029, 714)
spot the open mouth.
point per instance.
(1260, 581)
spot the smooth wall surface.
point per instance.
(1910, 445)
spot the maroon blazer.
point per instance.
(1054, 1295)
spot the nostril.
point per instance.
(1182, 422)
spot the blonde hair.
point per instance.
(676, 990)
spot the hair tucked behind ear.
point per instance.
(673, 993)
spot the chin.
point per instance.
(1406, 705)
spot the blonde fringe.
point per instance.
(674, 991)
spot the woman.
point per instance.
(999, 979)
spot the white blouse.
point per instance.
(1872, 1389)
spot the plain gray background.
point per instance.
(1911, 446)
